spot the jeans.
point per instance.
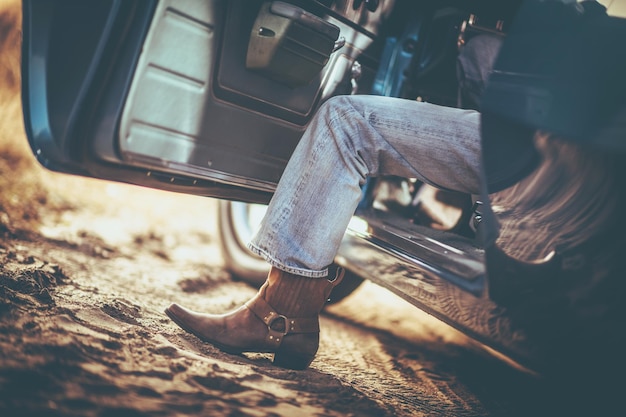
(350, 139)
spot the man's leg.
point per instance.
(350, 138)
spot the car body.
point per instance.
(184, 96)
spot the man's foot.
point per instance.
(283, 318)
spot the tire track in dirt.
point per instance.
(405, 377)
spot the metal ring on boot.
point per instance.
(269, 316)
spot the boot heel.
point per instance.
(297, 351)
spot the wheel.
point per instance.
(237, 223)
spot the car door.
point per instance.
(202, 97)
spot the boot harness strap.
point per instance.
(272, 319)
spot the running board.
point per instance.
(441, 273)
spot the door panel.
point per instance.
(172, 119)
(195, 108)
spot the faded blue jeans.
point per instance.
(350, 139)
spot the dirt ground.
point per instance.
(87, 267)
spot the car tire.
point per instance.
(236, 224)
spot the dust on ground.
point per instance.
(87, 267)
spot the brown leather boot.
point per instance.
(283, 318)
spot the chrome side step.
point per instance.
(441, 273)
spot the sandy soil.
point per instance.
(87, 266)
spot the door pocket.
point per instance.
(289, 45)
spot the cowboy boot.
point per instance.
(283, 318)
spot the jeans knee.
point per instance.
(335, 107)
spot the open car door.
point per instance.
(202, 97)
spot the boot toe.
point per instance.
(181, 316)
(210, 328)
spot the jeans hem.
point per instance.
(309, 273)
